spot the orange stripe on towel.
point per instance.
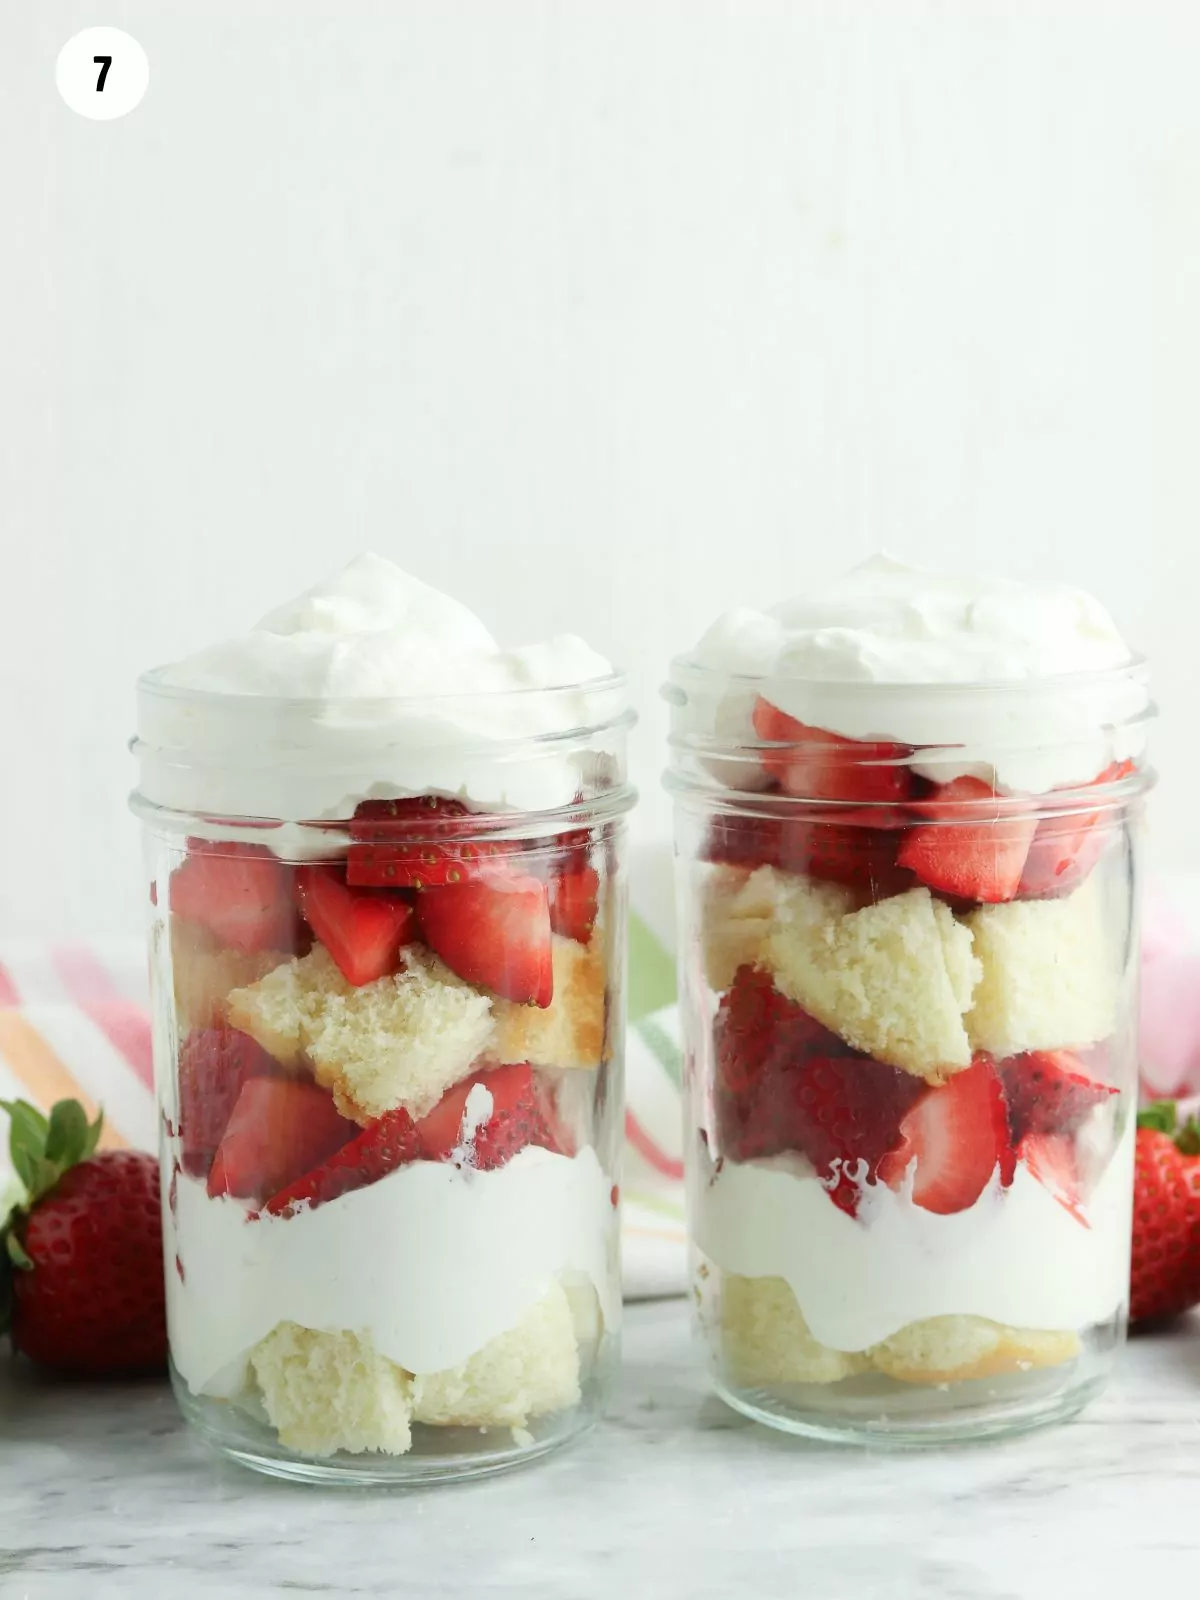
(43, 1074)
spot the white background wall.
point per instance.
(602, 315)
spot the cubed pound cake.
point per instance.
(205, 973)
(956, 1349)
(739, 910)
(1050, 973)
(569, 1032)
(527, 1372)
(765, 1339)
(400, 1041)
(892, 979)
(325, 1392)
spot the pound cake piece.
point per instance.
(400, 1041)
(765, 1339)
(325, 1392)
(954, 1349)
(1051, 975)
(204, 973)
(892, 979)
(569, 1032)
(281, 1008)
(739, 911)
(528, 1371)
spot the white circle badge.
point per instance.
(102, 73)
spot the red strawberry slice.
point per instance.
(1065, 849)
(1052, 1159)
(1048, 1092)
(574, 897)
(957, 1135)
(279, 1130)
(828, 766)
(494, 932)
(743, 841)
(976, 849)
(573, 850)
(857, 856)
(517, 1119)
(857, 853)
(845, 1113)
(214, 1065)
(759, 1033)
(362, 931)
(242, 895)
(379, 1149)
(419, 843)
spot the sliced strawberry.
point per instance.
(857, 856)
(516, 1119)
(1051, 1158)
(574, 897)
(214, 1065)
(828, 766)
(759, 1033)
(419, 843)
(845, 1113)
(362, 931)
(1048, 1092)
(240, 893)
(280, 1129)
(743, 841)
(494, 932)
(974, 850)
(386, 1144)
(573, 850)
(857, 853)
(1065, 849)
(957, 1135)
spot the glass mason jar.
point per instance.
(388, 1051)
(909, 991)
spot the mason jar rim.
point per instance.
(686, 667)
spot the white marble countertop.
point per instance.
(102, 1494)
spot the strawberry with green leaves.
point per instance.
(1165, 1273)
(81, 1272)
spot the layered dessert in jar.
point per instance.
(906, 818)
(387, 912)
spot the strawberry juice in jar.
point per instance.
(387, 934)
(907, 811)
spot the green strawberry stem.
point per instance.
(1163, 1118)
(42, 1150)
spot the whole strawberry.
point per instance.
(1165, 1276)
(81, 1275)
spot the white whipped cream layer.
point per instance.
(1016, 1256)
(1006, 672)
(433, 1261)
(370, 685)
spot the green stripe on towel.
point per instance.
(651, 972)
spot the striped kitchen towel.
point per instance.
(74, 1021)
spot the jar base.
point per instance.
(882, 1413)
(438, 1455)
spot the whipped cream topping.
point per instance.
(1016, 1256)
(433, 1261)
(371, 684)
(998, 678)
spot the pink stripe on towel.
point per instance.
(645, 1146)
(92, 989)
(8, 990)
